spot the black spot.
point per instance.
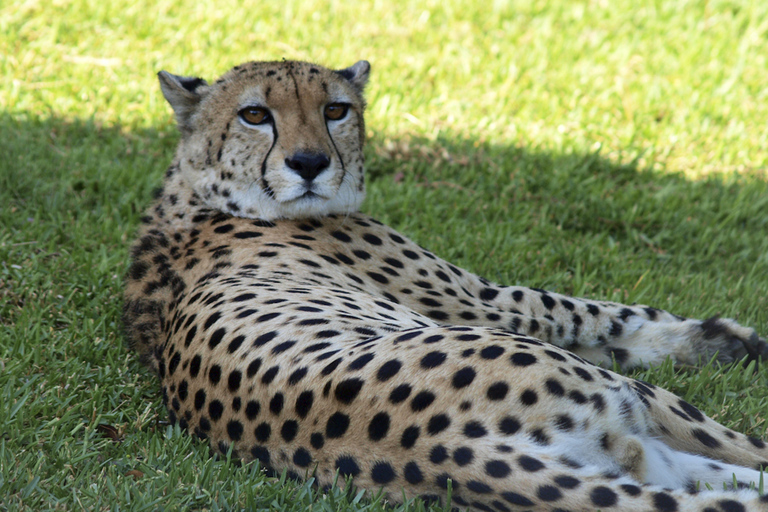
(296, 376)
(194, 366)
(548, 493)
(302, 458)
(412, 473)
(433, 339)
(757, 443)
(216, 337)
(651, 312)
(261, 454)
(664, 502)
(488, 294)
(382, 473)
(497, 469)
(598, 402)
(174, 363)
(474, 429)
(289, 430)
(233, 382)
(214, 374)
(422, 400)
(540, 437)
(317, 440)
(509, 425)
(548, 301)
(199, 399)
(247, 234)
(692, 411)
(577, 396)
(603, 497)
(564, 422)
(463, 456)
(252, 409)
(347, 466)
(360, 362)
(330, 367)
(253, 368)
(267, 317)
(555, 355)
(491, 352)
(554, 387)
(372, 239)
(705, 439)
(433, 360)
(339, 235)
(438, 454)
(234, 430)
(441, 481)
(215, 410)
(530, 464)
(517, 499)
(567, 482)
(264, 338)
(282, 347)
(437, 424)
(522, 359)
(378, 427)
(463, 377)
(631, 490)
(400, 393)
(337, 425)
(276, 404)
(731, 506)
(240, 298)
(388, 370)
(620, 355)
(235, 344)
(304, 403)
(410, 436)
(583, 374)
(497, 391)
(347, 390)
(478, 487)
(529, 397)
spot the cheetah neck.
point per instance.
(176, 205)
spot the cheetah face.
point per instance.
(272, 140)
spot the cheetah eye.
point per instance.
(255, 115)
(336, 111)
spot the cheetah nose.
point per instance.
(308, 165)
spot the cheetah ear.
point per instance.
(357, 74)
(184, 94)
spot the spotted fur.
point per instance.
(289, 328)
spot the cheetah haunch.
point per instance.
(291, 329)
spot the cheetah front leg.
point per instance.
(601, 332)
(632, 336)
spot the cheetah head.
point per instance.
(273, 140)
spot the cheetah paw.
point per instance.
(730, 341)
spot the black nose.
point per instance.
(308, 165)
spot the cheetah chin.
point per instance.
(292, 330)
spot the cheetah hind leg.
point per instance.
(683, 428)
(655, 478)
(676, 469)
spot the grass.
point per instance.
(604, 149)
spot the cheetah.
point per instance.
(287, 327)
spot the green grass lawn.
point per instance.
(605, 149)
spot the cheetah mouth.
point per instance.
(309, 195)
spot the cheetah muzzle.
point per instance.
(291, 329)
